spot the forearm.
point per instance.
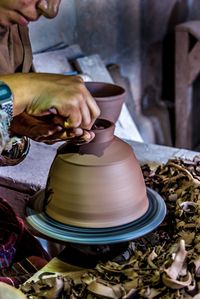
(40, 94)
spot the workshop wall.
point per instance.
(158, 19)
(103, 27)
(138, 35)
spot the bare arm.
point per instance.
(64, 97)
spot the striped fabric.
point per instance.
(21, 254)
(19, 272)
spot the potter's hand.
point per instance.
(64, 96)
(44, 94)
(47, 129)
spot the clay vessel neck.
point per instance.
(104, 134)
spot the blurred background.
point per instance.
(132, 43)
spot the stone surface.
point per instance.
(31, 174)
(152, 153)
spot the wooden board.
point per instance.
(94, 67)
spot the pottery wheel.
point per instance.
(49, 228)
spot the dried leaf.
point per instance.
(100, 289)
(175, 283)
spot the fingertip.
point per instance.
(59, 128)
(92, 134)
(88, 136)
(74, 121)
(78, 131)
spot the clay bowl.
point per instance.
(96, 185)
(109, 98)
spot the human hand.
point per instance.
(47, 129)
(46, 94)
(63, 99)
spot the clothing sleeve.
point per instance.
(4, 130)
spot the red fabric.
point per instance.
(21, 254)
(11, 230)
(19, 272)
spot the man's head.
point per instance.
(24, 11)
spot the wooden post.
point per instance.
(187, 68)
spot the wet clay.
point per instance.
(96, 185)
(109, 97)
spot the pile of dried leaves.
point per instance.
(164, 264)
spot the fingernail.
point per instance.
(87, 136)
(59, 128)
(78, 131)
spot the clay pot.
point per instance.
(109, 98)
(96, 185)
